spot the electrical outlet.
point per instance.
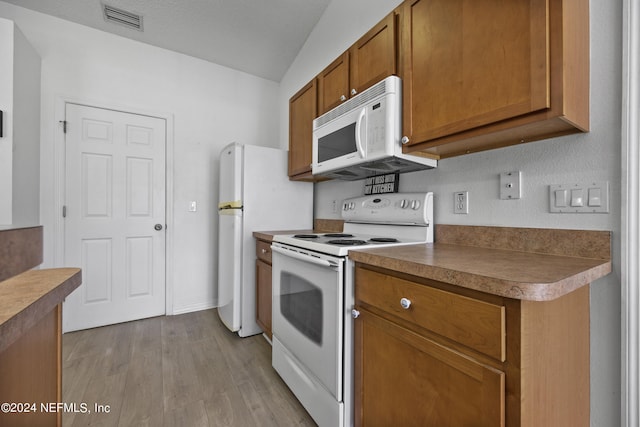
(461, 202)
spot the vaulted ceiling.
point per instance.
(260, 37)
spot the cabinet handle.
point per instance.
(343, 98)
(355, 313)
(405, 303)
(404, 140)
(353, 92)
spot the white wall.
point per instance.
(26, 133)
(20, 144)
(210, 105)
(591, 156)
(6, 105)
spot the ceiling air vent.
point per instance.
(122, 17)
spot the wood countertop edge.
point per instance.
(58, 284)
(525, 291)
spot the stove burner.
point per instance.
(338, 235)
(346, 242)
(306, 236)
(384, 240)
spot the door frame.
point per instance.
(59, 182)
(630, 210)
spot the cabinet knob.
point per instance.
(355, 313)
(264, 251)
(404, 140)
(343, 98)
(353, 92)
(405, 303)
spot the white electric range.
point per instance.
(313, 296)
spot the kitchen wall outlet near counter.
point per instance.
(461, 202)
(585, 197)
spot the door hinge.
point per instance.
(64, 126)
(64, 211)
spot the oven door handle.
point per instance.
(302, 257)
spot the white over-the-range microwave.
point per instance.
(361, 137)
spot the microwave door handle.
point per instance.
(359, 134)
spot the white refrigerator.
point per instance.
(255, 195)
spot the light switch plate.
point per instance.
(510, 184)
(583, 197)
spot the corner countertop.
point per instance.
(27, 297)
(533, 264)
(507, 273)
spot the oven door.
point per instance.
(308, 311)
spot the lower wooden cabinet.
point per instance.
(405, 379)
(31, 375)
(427, 354)
(263, 286)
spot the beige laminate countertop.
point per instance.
(531, 264)
(27, 297)
(507, 273)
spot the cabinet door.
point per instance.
(373, 57)
(333, 84)
(404, 379)
(263, 296)
(302, 111)
(469, 63)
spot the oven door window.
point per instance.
(301, 304)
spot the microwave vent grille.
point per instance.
(358, 100)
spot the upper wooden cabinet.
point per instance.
(481, 75)
(302, 111)
(368, 61)
(333, 84)
(373, 57)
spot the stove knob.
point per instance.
(404, 203)
(415, 204)
(352, 205)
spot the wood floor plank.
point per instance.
(228, 409)
(143, 396)
(107, 392)
(193, 415)
(147, 335)
(76, 376)
(186, 370)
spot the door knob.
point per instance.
(158, 227)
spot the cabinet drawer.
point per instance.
(476, 324)
(263, 251)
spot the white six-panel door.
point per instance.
(115, 215)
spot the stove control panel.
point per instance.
(410, 208)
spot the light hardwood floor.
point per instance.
(186, 370)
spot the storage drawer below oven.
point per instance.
(321, 405)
